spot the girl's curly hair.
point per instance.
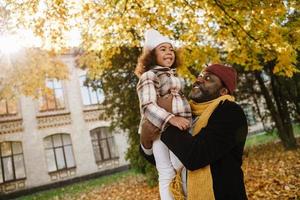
(147, 60)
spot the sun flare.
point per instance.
(9, 44)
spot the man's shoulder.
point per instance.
(230, 107)
(230, 104)
(229, 112)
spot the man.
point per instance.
(212, 154)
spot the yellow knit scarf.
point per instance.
(199, 182)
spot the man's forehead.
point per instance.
(207, 73)
(204, 72)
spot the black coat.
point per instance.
(220, 144)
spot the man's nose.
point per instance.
(200, 79)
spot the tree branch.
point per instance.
(233, 19)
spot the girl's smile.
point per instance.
(165, 55)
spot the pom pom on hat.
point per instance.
(227, 75)
(153, 38)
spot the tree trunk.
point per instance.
(281, 102)
(285, 132)
(292, 88)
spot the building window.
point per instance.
(8, 107)
(12, 165)
(103, 144)
(59, 152)
(89, 95)
(53, 98)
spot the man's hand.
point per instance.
(149, 134)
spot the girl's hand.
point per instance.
(180, 122)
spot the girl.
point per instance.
(156, 71)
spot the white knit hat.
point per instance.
(153, 38)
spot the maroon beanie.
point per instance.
(227, 75)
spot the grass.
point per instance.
(77, 188)
(261, 138)
(264, 137)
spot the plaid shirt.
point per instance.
(161, 81)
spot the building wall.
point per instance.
(30, 127)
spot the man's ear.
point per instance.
(224, 91)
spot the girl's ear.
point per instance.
(223, 91)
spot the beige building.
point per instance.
(61, 136)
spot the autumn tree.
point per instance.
(252, 35)
(256, 36)
(24, 69)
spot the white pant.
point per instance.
(166, 164)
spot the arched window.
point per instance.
(59, 152)
(12, 165)
(103, 144)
